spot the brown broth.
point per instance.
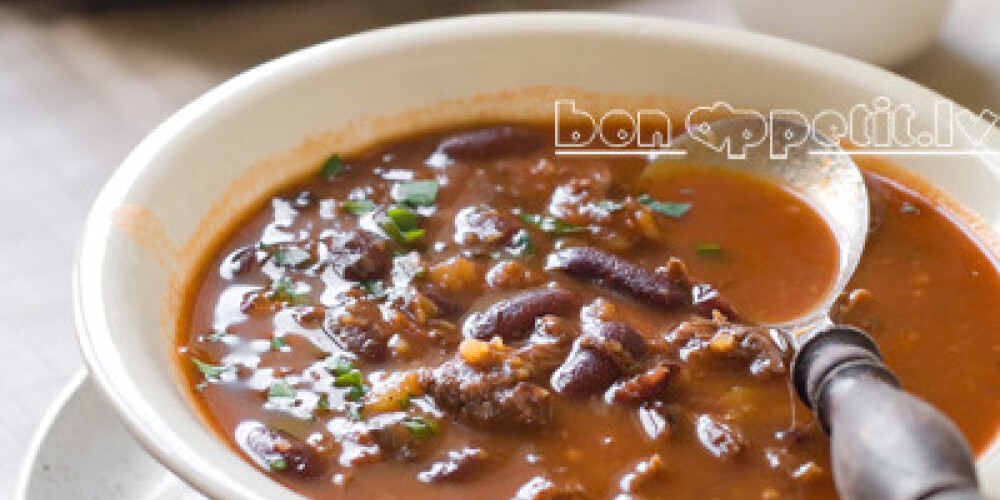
(771, 243)
(933, 288)
(776, 258)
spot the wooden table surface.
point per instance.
(79, 88)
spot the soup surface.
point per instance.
(466, 315)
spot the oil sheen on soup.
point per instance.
(462, 314)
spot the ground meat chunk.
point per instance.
(547, 346)
(498, 396)
(368, 342)
(395, 438)
(694, 333)
(767, 357)
(483, 227)
(644, 386)
(368, 326)
(357, 326)
(706, 301)
(615, 224)
(706, 339)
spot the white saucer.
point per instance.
(82, 451)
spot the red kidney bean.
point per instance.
(619, 274)
(585, 372)
(623, 334)
(278, 451)
(491, 143)
(604, 353)
(513, 318)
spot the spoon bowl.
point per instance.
(804, 161)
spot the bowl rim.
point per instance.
(90, 311)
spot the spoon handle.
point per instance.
(885, 443)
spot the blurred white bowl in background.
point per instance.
(883, 32)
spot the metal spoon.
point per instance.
(885, 443)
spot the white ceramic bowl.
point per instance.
(169, 201)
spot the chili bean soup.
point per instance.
(463, 314)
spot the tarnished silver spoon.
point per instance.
(885, 443)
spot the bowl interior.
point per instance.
(175, 194)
